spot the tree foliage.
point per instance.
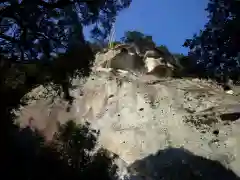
(163, 48)
(216, 48)
(141, 40)
(42, 41)
(66, 157)
(49, 34)
(47, 27)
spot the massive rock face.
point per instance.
(150, 121)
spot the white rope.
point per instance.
(111, 39)
(111, 36)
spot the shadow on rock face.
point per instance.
(178, 163)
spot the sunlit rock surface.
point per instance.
(140, 114)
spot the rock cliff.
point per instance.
(159, 126)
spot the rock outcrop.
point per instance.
(140, 116)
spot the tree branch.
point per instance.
(9, 38)
(59, 4)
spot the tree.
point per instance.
(144, 42)
(189, 66)
(216, 48)
(52, 33)
(43, 41)
(163, 48)
(45, 27)
(48, 34)
(66, 157)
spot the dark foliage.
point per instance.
(51, 27)
(144, 42)
(216, 48)
(43, 41)
(50, 34)
(65, 157)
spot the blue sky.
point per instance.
(170, 22)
